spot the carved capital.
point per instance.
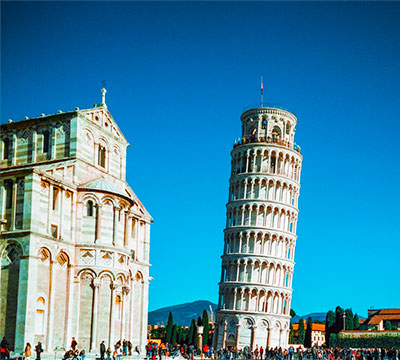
(96, 283)
(126, 289)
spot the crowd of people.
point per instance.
(155, 351)
(161, 351)
(121, 348)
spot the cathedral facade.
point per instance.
(255, 290)
(75, 238)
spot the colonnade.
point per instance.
(257, 272)
(261, 215)
(261, 160)
(255, 300)
(264, 188)
(260, 243)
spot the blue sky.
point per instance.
(178, 77)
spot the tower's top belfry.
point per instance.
(267, 124)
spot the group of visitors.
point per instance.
(121, 348)
(73, 353)
(5, 351)
(314, 353)
(161, 351)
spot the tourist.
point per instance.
(108, 353)
(28, 351)
(73, 344)
(102, 350)
(38, 350)
(82, 354)
(124, 347)
(4, 349)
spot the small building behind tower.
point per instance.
(75, 238)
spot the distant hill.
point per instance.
(183, 313)
(315, 316)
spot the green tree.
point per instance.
(356, 322)
(199, 321)
(206, 325)
(192, 331)
(169, 327)
(338, 319)
(308, 334)
(349, 319)
(388, 325)
(291, 335)
(292, 313)
(330, 323)
(302, 331)
(174, 335)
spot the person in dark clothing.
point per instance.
(102, 350)
(73, 344)
(38, 350)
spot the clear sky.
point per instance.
(178, 77)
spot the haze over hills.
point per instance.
(182, 313)
(321, 316)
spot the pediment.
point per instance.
(103, 118)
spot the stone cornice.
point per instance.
(260, 202)
(268, 110)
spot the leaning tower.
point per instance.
(260, 236)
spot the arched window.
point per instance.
(264, 123)
(287, 128)
(6, 148)
(9, 193)
(89, 208)
(40, 316)
(46, 141)
(102, 156)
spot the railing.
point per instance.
(267, 105)
(268, 140)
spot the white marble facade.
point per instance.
(75, 239)
(260, 236)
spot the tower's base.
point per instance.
(254, 330)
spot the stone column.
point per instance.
(125, 292)
(50, 209)
(34, 145)
(237, 336)
(14, 204)
(268, 338)
(253, 336)
(200, 338)
(98, 223)
(224, 335)
(111, 333)
(115, 224)
(14, 150)
(76, 306)
(126, 232)
(60, 228)
(50, 327)
(96, 286)
(53, 144)
(131, 312)
(68, 332)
